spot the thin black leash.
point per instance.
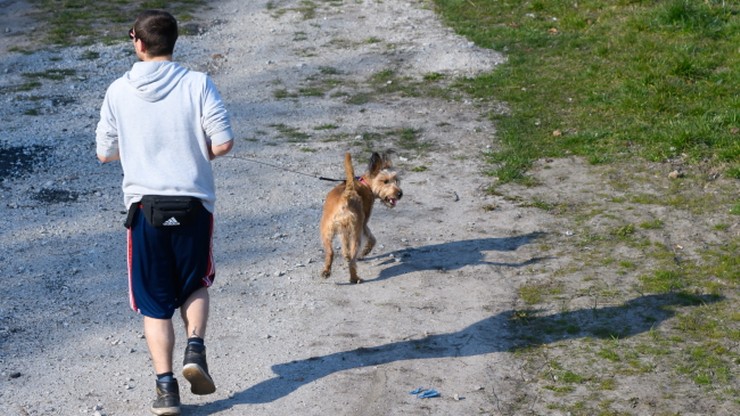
(322, 178)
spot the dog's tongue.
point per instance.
(392, 202)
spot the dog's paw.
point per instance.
(356, 280)
(325, 274)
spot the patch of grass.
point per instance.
(652, 224)
(617, 79)
(663, 281)
(306, 8)
(282, 93)
(387, 81)
(292, 134)
(433, 77)
(19, 49)
(609, 354)
(360, 98)
(329, 70)
(311, 92)
(540, 204)
(410, 139)
(324, 81)
(623, 231)
(24, 87)
(51, 74)
(722, 263)
(572, 377)
(534, 293)
(90, 55)
(83, 22)
(327, 126)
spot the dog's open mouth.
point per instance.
(391, 202)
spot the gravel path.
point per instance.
(440, 286)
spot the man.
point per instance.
(165, 124)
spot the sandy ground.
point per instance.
(441, 286)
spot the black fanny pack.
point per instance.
(167, 211)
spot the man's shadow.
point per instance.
(504, 332)
(453, 255)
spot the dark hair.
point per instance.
(158, 30)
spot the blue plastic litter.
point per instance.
(423, 393)
(428, 394)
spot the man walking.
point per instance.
(165, 124)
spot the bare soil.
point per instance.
(441, 297)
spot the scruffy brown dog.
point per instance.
(348, 206)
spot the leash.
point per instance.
(321, 178)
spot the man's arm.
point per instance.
(106, 134)
(221, 149)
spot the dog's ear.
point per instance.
(376, 163)
(387, 163)
(379, 162)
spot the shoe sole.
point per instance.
(200, 381)
(166, 411)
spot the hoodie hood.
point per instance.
(154, 80)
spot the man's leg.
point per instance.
(160, 338)
(195, 313)
(195, 369)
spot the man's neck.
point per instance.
(167, 58)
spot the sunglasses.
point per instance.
(131, 34)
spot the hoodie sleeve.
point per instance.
(106, 134)
(215, 121)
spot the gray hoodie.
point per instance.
(161, 119)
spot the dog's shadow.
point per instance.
(452, 255)
(507, 331)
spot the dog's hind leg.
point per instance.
(370, 243)
(350, 247)
(328, 256)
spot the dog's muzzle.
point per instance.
(391, 202)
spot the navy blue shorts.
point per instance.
(167, 264)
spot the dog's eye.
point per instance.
(386, 181)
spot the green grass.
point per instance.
(615, 82)
(291, 134)
(615, 79)
(51, 74)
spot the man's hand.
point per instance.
(106, 159)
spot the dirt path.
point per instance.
(441, 286)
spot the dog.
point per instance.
(348, 206)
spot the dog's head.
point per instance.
(384, 180)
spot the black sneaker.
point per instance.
(195, 370)
(168, 399)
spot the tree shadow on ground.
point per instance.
(504, 332)
(453, 255)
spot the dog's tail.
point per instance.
(350, 172)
